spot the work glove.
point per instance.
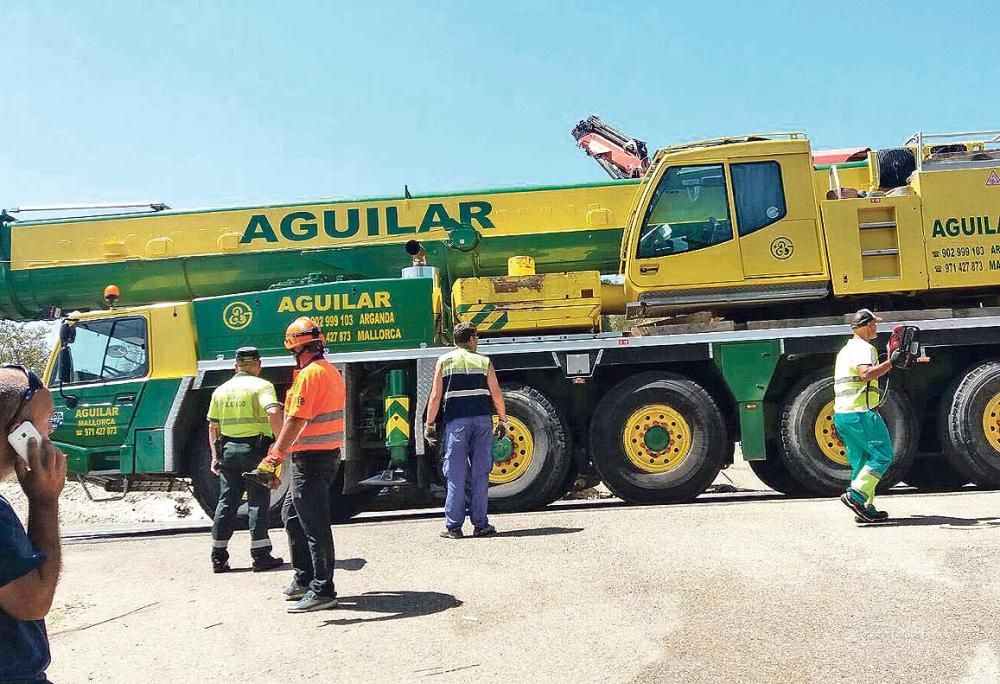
(266, 472)
(501, 430)
(431, 434)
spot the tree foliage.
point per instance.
(24, 343)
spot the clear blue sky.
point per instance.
(219, 103)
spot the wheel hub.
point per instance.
(829, 441)
(991, 422)
(657, 438)
(515, 453)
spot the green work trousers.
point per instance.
(867, 440)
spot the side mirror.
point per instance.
(67, 333)
(65, 364)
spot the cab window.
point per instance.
(759, 195)
(108, 350)
(689, 211)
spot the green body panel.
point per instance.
(100, 432)
(363, 315)
(748, 368)
(29, 294)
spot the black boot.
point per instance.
(266, 561)
(220, 562)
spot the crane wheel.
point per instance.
(970, 425)
(933, 472)
(535, 475)
(814, 454)
(658, 438)
(774, 473)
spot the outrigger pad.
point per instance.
(387, 478)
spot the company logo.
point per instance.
(782, 248)
(237, 315)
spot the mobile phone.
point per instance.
(20, 436)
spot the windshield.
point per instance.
(105, 350)
(689, 211)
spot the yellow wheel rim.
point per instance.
(657, 438)
(991, 422)
(520, 457)
(828, 439)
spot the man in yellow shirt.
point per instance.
(243, 418)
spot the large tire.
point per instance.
(825, 471)
(205, 484)
(933, 472)
(894, 166)
(774, 473)
(678, 441)
(967, 446)
(536, 474)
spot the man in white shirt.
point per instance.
(861, 428)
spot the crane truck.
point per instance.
(769, 243)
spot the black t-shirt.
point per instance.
(24, 645)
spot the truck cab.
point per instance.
(728, 220)
(119, 374)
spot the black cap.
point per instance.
(863, 317)
(247, 354)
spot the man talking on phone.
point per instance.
(29, 562)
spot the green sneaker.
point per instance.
(312, 602)
(874, 514)
(852, 502)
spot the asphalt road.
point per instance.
(768, 590)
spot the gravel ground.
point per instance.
(76, 510)
(769, 591)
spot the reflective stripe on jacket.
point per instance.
(851, 393)
(240, 406)
(318, 395)
(466, 392)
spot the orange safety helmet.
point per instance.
(302, 331)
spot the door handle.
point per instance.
(125, 399)
(648, 269)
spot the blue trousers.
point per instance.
(468, 441)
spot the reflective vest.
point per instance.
(240, 406)
(851, 393)
(318, 395)
(466, 393)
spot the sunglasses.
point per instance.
(34, 384)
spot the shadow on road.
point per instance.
(348, 564)
(538, 531)
(393, 605)
(939, 520)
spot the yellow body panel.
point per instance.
(171, 338)
(961, 218)
(875, 244)
(558, 301)
(335, 224)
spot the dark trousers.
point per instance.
(306, 514)
(236, 458)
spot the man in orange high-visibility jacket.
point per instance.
(313, 435)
